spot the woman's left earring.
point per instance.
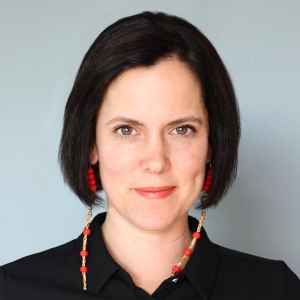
(86, 231)
(207, 184)
(196, 235)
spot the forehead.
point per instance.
(169, 85)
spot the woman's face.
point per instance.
(152, 145)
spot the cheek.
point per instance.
(192, 168)
(192, 159)
(115, 163)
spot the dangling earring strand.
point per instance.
(86, 231)
(196, 235)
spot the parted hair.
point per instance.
(139, 41)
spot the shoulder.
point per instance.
(241, 257)
(50, 255)
(46, 266)
(255, 273)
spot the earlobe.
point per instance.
(94, 156)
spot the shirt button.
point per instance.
(175, 280)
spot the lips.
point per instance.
(155, 192)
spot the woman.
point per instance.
(152, 120)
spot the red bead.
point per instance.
(209, 171)
(208, 177)
(176, 269)
(90, 171)
(93, 187)
(84, 253)
(207, 182)
(86, 231)
(92, 181)
(206, 188)
(91, 176)
(187, 252)
(83, 269)
(196, 235)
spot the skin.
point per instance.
(152, 147)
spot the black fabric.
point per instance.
(212, 272)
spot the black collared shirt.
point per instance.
(212, 272)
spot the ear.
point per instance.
(94, 156)
(209, 154)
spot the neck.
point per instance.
(148, 256)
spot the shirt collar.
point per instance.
(201, 268)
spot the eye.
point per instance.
(183, 130)
(125, 130)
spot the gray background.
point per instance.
(42, 45)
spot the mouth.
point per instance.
(155, 192)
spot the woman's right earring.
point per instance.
(84, 253)
(92, 179)
(86, 231)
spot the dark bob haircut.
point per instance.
(139, 41)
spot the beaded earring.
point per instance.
(92, 179)
(86, 231)
(196, 235)
(207, 184)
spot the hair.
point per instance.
(139, 41)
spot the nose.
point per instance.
(155, 158)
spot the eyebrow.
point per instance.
(172, 123)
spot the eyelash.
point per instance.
(192, 128)
(116, 129)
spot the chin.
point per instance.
(153, 222)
